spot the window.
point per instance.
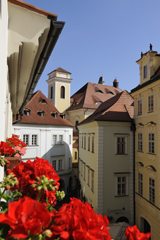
(60, 165)
(150, 103)
(70, 139)
(62, 92)
(75, 155)
(85, 142)
(140, 183)
(41, 113)
(34, 140)
(84, 176)
(54, 139)
(51, 92)
(145, 71)
(151, 190)
(140, 142)
(27, 112)
(26, 139)
(54, 114)
(140, 107)
(54, 164)
(92, 143)
(92, 180)
(88, 181)
(151, 143)
(88, 143)
(121, 145)
(61, 138)
(122, 186)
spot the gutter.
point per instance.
(53, 35)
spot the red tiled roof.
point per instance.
(92, 95)
(118, 108)
(40, 103)
(32, 8)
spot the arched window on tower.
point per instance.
(62, 92)
(51, 92)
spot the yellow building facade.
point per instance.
(147, 140)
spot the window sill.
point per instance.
(150, 111)
(151, 153)
(116, 196)
(140, 151)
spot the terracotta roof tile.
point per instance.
(118, 108)
(38, 104)
(92, 95)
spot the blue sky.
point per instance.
(102, 37)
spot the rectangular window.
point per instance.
(140, 107)
(140, 183)
(140, 142)
(145, 71)
(88, 181)
(151, 190)
(75, 155)
(51, 92)
(150, 103)
(92, 180)
(34, 140)
(88, 143)
(122, 186)
(85, 142)
(26, 139)
(54, 139)
(121, 145)
(151, 143)
(60, 165)
(54, 164)
(60, 138)
(93, 144)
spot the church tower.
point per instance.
(59, 81)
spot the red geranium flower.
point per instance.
(26, 217)
(6, 150)
(77, 220)
(133, 233)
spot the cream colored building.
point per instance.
(106, 158)
(28, 36)
(147, 141)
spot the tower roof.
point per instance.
(59, 69)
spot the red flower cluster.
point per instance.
(77, 220)
(12, 147)
(25, 217)
(27, 174)
(133, 233)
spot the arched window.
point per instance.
(62, 92)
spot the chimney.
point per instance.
(115, 83)
(101, 80)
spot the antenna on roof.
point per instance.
(150, 47)
(101, 80)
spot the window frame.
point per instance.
(151, 143)
(152, 190)
(140, 184)
(150, 103)
(121, 145)
(34, 142)
(121, 191)
(24, 140)
(140, 142)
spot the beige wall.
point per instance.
(145, 124)
(106, 165)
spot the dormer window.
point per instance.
(145, 71)
(42, 100)
(41, 113)
(27, 112)
(98, 90)
(54, 114)
(62, 115)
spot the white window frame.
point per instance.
(140, 142)
(54, 139)
(152, 190)
(34, 140)
(120, 183)
(140, 184)
(151, 143)
(61, 138)
(26, 139)
(151, 103)
(120, 136)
